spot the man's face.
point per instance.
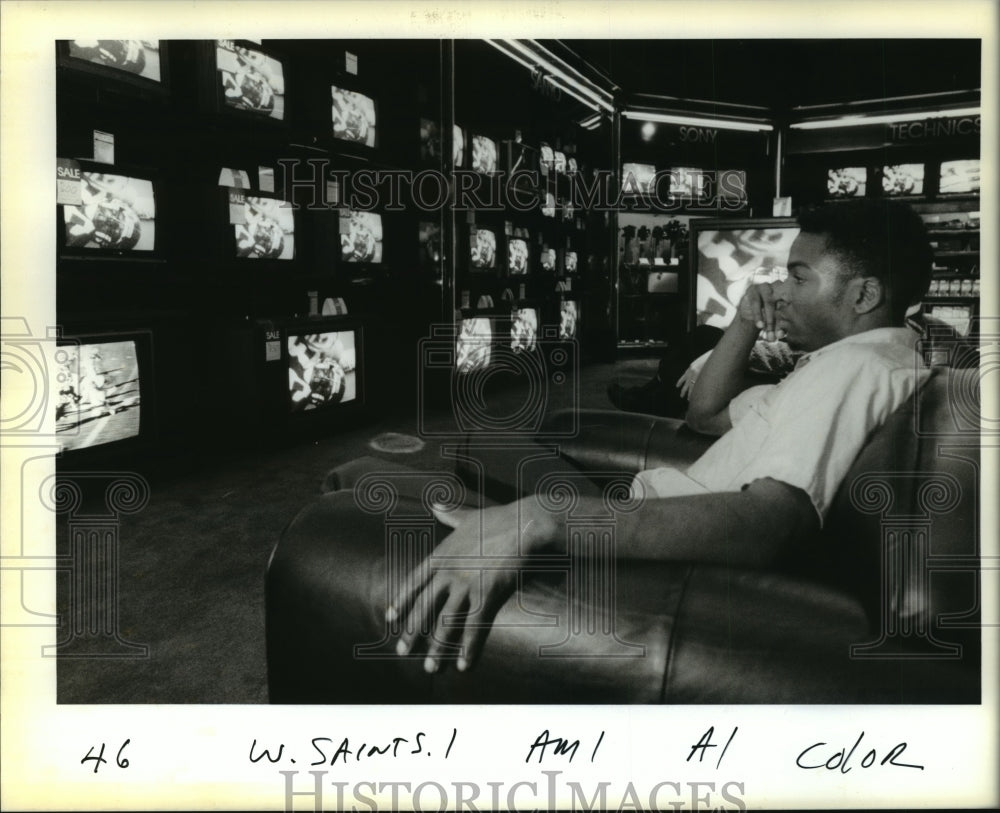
(813, 305)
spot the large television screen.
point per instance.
(524, 330)
(360, 237)
(474, 343)
(902, 179)
(250, 80)
(268, 230)
(517, 256)
(732, 256)
(117, 213)
(98, 398)
(322, 369)
(569, 319)
(483, 249)
(131, 57)
(354, 117)
(685, 182)
(484, 154)
(846, 182)
(959, 177)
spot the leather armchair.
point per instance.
(882, 605)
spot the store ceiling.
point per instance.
(780, 74)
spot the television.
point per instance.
(517, 256)
(429, 239)
(571, 166)
(322, 368)
(546, 158)
(473, 346)
(524, 327)
(559, 161)
(569, 319)
(430, 140)
(570, 262)
(458, 146)
(354, 116)
(266, 230)
(249, 80)
(485, 154)
(731, 254)
(360, 237)
(959, 177)
(902, 179)
(685, 182)
(549, 207)
(102, 385)
(547, 259)
(846, 182)
(137, 62)
(114, 213)
(638, 178)
(482, 249)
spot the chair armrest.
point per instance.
(626, 441)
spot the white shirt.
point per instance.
(808, 429)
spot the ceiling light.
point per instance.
(721, 124)
(888, 118)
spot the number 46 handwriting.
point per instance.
(99, 760)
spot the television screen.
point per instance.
(361, 237)
(430, 140)
(517, 256)
(546, 158)
(729, 259)
(268, 230)
(429, 237)
(250, 79)
(483, 249)
(549, 207)
(570, 262)
(638, 178)
(559, 161)
(473, 346)
(135, 57)
(458, 146)
(685, 182)
(846, 182)
(903, 179)
(353, 116)
(98, 395)
(959, 177)
(524, 330)
(322, 369)
(548, 259)
(570, 166)
(569, 319)
(117, 213)
(484, 154)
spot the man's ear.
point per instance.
(869, 294)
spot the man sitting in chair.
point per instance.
(783, 450)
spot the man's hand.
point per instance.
(453, 596)
(759, 306)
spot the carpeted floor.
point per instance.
(191, 563)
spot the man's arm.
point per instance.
(724, 375)
(474, 570)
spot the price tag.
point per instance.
(69, 191)
(272, 351)
(237, 207)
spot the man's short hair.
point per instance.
(878, 238)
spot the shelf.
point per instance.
(961, 299)
(952, 255)
(951, 232)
